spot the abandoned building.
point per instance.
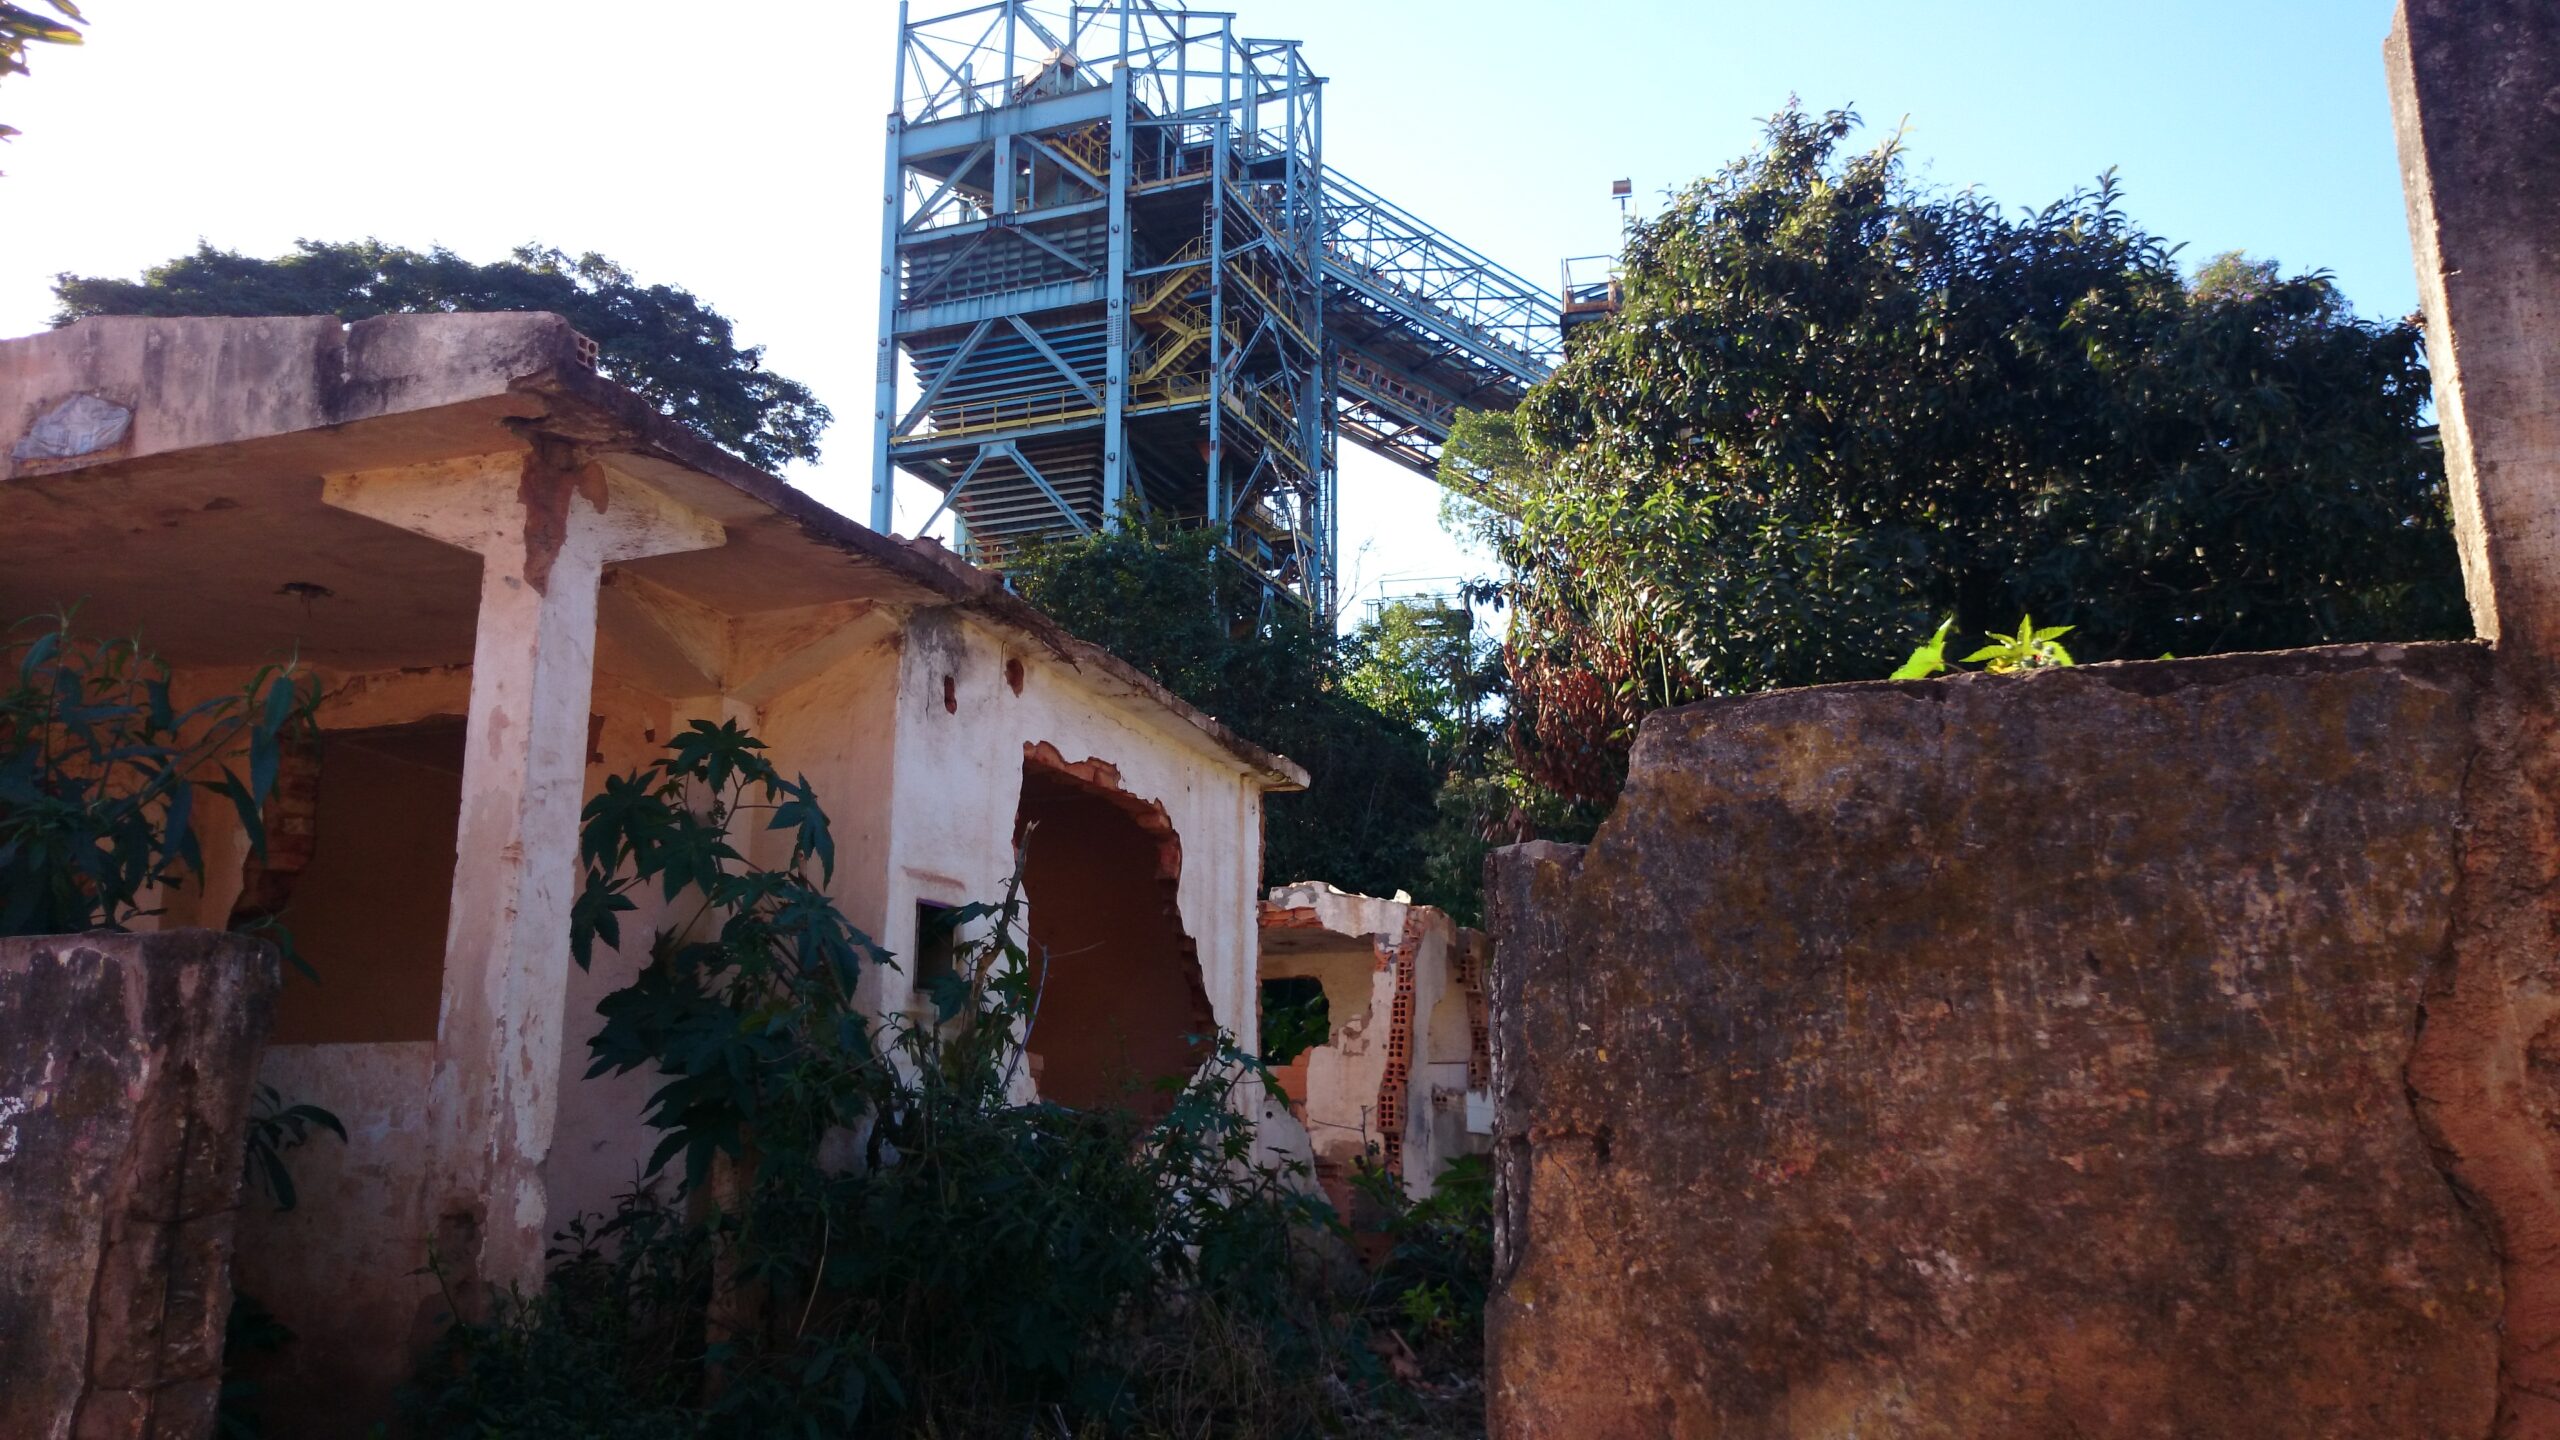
(1402, 1076)
(2129, 1051)
(513, 579)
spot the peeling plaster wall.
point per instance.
(1337, 1089)
(457, 488)
(1998, 1056)
(339, 1270)
(1359, 947)
(923, 801)
(598, 1141)
(870, 730)
(960, 778)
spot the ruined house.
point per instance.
(1402, 1075)
(512, 579)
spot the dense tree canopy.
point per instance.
(1416, 661)
(662, 342)
(1838, 409)
(1159, 598)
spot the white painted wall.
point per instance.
(960, 782)
(922, 801)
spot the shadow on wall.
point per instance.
(369, 914)
(1121, 1004)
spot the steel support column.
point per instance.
(1115, 393)
(893, 176)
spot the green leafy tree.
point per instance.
(1837, 407)
(661, 341)
(21, 27)
(1435, 666)
(1159, 597)
(1426, 662)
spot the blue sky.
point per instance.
(742, 161)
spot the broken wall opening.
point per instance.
(1295, 1018)
(1122, 1004)
(369, 913)
(1332, 1084)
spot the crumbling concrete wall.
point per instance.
(125, 1073)
(1998, 1057)
(2475, 91)
(1402, 1077)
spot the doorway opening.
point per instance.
(1121, 1003)
(368, 915)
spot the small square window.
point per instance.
(937, 942)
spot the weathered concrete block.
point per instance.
(125, 1070)
(1997, 1057)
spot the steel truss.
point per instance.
(1123, 282)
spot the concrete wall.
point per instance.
(341, 1269)
(2158, 1050)
(125, 1065)
(1998, 1057)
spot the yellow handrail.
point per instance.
(1087, 148)
(1195, 250)
(1277, 311)
(980, 416)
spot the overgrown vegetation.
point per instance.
(662, 342)
(100, 767)
(860, 1227)
(1837, 407)
(1430, 1291)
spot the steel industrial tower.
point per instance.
(1123, 279)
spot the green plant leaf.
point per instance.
(1930, 658)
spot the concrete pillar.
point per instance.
(2475, 92)
(545, 524)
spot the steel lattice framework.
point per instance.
(1122, 280)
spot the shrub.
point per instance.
(872, 1232)
(100, 767)
(1432, 1286)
